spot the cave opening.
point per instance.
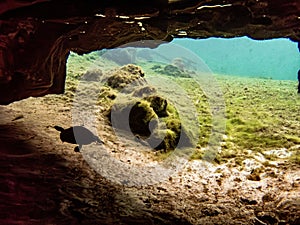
(276, 59)
(254, 83)
(234, 101)
(45, 181)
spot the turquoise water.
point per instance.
(277, 59)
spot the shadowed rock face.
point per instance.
(37, 36)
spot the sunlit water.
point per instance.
(272, 59)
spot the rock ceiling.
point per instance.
(37, 36)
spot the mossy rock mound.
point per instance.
(133, 69)
(153, 120)
(174, 125)
(137, 114)
(174, 70)
(140, 110)
(128, 74)
(173, 136)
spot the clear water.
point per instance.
(277, 59)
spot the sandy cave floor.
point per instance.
(43, 181)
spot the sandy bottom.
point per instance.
(43, 181)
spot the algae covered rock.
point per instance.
(175, 69)
(107, 93)
(133, 116)
(158, 104)
(128, 74)
(140, 117)
(153, 120)
(163, 140)
(142, 111)
(172, 70)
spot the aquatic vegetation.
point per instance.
(261, 114)
(140, 116)
(158, 104)
(126, 95)
(173, 70)
(128, 74)
(157, 123)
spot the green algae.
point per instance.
(261, 114)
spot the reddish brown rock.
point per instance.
(37, 36)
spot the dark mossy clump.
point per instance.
(174, 125)
(142, 111)
(140, 116)
(162, 137)
(174, 135)
(156, 67)
(160, 127)
(134, 116)
(128, 74)
(172, 70)
(158, 104)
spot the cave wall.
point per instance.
(37, 36)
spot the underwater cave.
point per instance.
(192, 109)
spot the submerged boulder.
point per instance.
(175, 69)
(151, 119)
(126, 75)
(140, 110)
